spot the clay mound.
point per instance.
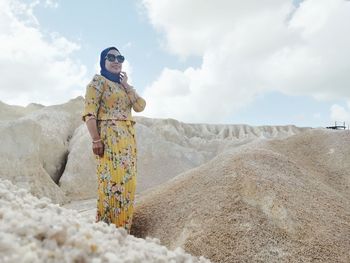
(324, 154)
(79, 180)
(166, 148)
(11, 112)
(35, 147)
(214, 137)
(274, 201)
(20, 159)
(61, 148)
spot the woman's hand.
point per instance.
(132, 95)
(98, 148)
(124, 79)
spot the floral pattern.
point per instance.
(106, 100)
(116, 169)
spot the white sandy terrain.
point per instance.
(280, 200)
(48, 149)
(11, 112)
(166, 148)
(35, 147)
(35, 230)
(233, 193)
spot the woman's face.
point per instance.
(113, 67)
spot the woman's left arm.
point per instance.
(138, 103)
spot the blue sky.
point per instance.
(173, 48)
(99, 24)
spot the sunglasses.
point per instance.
(115, 58)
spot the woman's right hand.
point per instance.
(98, 148)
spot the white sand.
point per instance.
(35, 230)
(48, 149)
(266, 197)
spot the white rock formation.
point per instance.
(166, 148)
(35, 230)
(20, 159)
(244, 194)
(36, 147)
(11, 112)
(79, 179)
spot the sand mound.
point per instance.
(166, 148)
(324, 154)
(20, 159)
(79, 181)
(35, 148)
(35, 230)
(61, 148)
(282, 200)
(11, 112)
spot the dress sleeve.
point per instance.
(139, 105)
(93, 96)
(137, 102)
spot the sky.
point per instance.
(272, 62)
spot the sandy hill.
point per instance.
(10, 112)
(35, 147)
(233, 193)
(279, 200)
(168, 147)
(47, 149)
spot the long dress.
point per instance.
(117, 168)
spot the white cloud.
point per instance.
(51, 3)
(35, 66)
(248, 47)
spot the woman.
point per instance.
(107, 113)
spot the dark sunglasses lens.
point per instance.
(120, 58)
(111, 57)
(114, 58)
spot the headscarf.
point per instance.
(104, 72)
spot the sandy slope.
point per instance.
(167, 147)
(35, 230)
(35, 146)
(267, 197)
(10, 112)
(48, 148)
(275, 201)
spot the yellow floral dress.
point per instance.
(109, 104)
